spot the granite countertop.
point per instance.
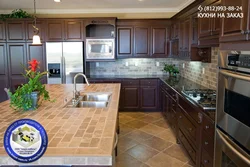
(76, 135)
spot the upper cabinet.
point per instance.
(55, 30)
(160, 41)
(30, 30)
(73, 30)
(175, 30)
(2, 32)
(142, 41)
(125, 40)
(209, 29)
(15, 31)
(236, 29)
(143, 38)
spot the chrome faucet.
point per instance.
(75, 92)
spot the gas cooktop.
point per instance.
(206, 98)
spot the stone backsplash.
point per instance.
(141, 66)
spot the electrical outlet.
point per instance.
(97, 64)
(183, 65)
(203, 70)
(126, 64)
(157, 64)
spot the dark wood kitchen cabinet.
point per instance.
(3, 72)
(130, 94)
(55, 30)
(37, 52)
(125, 40)
(236, 29)
(148, 94)
(142, 41)
(16, 57)
(2, 32)
(74, 30)
(175, 30)
(160, 42)
(30, 30)
(184, 39)
(15, 31)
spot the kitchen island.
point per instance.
(76, 136)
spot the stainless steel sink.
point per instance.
(96, 96)
(91, 100)
(92, 104)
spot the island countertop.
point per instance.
(83, 136)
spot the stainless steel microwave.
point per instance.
(100, 49)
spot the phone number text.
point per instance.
(220, 8)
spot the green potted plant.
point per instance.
(171, 69)
(26, 97)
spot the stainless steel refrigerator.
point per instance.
(64, 61)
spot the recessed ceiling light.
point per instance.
(140, 0)
(57, 0)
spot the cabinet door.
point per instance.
(37, 52)
(124, 42)
(15, 31)
(55, 30)
(131, 98)
(2, 32)
(30, 30)
(142, 40)
(159, 38)
(148, 97)
(3, 72)
(204, 27)
(16, 55)
(216, 26)
(73, 30)
(234, 29)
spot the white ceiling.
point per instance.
(115, 8)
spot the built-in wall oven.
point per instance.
(232, 148)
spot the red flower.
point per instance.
(33, 64)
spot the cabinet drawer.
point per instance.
(207, 143)
(187, 146)
(95, 81)
(112, 81)
(148, 82)
(206, 160)
(130, 82)
(187, 126)
(208, 126)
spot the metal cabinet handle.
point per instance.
(180, 117)
(235, 75)
(206, 143)
(149, 82)
(190, 129)
(200, 117)
(230, 146)
(207, 127)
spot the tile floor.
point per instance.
(146, 140)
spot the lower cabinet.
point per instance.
(3, 72)
(130, 98)
(148, 97)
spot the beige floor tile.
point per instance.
(124, 129)
(178, 152)
(167, 135)
(136, 124)
(162, 123)
(155, 114)
(125, 143)
(163, 160)
(139, 135)
(152, 129)
(125, 118)
(141, 152)
(126, 160)
(157, 143)
(148, 119)
(135, 114)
